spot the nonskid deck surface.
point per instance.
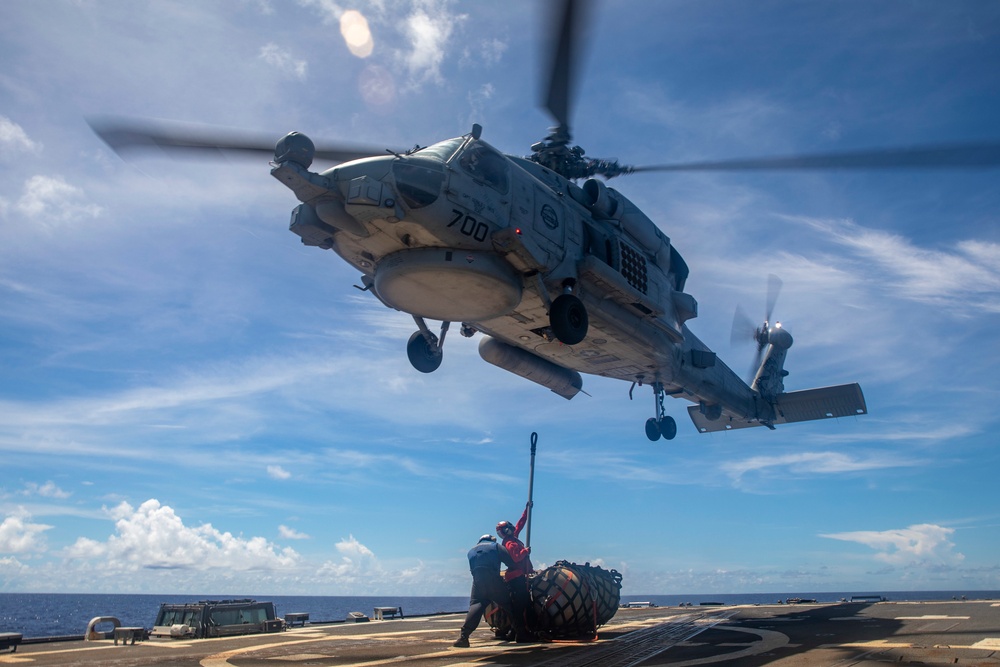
(928, 633)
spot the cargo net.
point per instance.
(568, 600)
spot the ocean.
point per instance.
(65, 614)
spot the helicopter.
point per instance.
(560, 274)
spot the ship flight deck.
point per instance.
(817, 635)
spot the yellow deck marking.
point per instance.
(992, 643)
(478, 648)
(12, 657)
(300, 657)
(988, 644)
(222, 659)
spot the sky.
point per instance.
(192, 401)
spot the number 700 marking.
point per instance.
(469, 226)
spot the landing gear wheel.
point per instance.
(667, 428)
(422, 355)
(662, 425)
(568, 318)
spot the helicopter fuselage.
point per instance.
(459, 232)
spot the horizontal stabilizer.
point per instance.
(843, 400)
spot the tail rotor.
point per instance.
(744, 328)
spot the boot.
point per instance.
(461, 642)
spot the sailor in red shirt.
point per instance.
(516, 575)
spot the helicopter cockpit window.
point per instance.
(442, 150)
(486, 165)
(418, 182)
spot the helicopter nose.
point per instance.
(374, 188)
(345, 198)
(365, 196)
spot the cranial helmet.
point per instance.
(504, 528)
(487, 538)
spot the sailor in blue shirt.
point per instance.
(488, 586)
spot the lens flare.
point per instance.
(357, 36)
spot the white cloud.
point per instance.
(47, 490)
(10, 566)
(287, 533)
(741, 121)
(358, 571)
(144, 403)
(350, 459)
(921, 545)
(154, 537)
(223, 400)
(50, 199)
(488, 52)
(479, 99)
(264, 7)
(19, 535)
(428, 30)
(14, 140)
(329, 10)
(493, 50)
(356, 563)
(284, 61)
(353, 550)
(965, 278)
(811, 463)
(277, 472)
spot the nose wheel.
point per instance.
(662, 425)
(424, 349)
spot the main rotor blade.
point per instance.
(773, 289)
(565, 22)
(981, 155)
(743, 328)
(133, 135)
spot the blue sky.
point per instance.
(191, 401)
